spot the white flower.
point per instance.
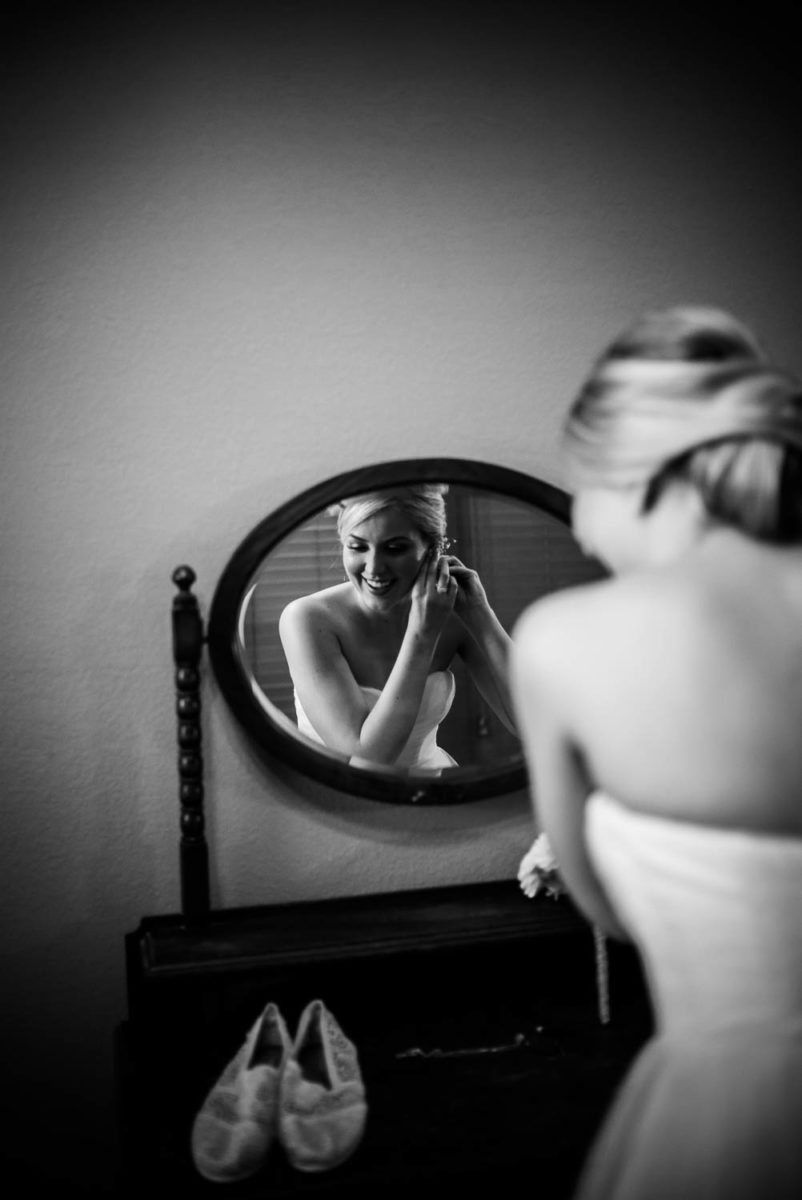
(539, 856)
(539, 869)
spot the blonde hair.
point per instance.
(687, 394)
(424, 504)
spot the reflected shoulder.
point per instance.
(327, 603)
(327, 599)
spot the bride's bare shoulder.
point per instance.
(327, 606)
(579, 624)
(563, 614)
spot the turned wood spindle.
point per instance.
(187, 647)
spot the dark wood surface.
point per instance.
(373, 925)
(435, 1123)
(474, 1011)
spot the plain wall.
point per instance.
(246, 247)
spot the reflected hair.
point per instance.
(424, 504)
(687, 394)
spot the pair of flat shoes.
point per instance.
(309, 1093)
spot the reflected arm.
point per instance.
(486, 646)
(486, 650)
(543, 678)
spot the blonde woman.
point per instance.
(661, 715)
(370, 658)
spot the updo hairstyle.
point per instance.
(424, 504)
(687, 394)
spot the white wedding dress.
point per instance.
(712, 1107)
(421, 748)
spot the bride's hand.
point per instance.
(434, 593)
(471, 592)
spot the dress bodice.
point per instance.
(710, 1108)
(715, 913)
(421, 749)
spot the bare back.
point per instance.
(684, 691)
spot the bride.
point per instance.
(370, 658)
(661, 712)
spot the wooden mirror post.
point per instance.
(187, 647)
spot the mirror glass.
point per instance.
(521, 549)
(519, 553)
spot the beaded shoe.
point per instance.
(234, 1129)
(322, 1107)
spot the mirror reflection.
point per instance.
(378, 630)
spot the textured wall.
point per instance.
(248, 246)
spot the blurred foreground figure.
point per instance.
(661, 713)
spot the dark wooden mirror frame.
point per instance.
(459, 785)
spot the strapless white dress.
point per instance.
(421, 749)
(712, 1107)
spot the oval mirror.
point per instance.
(509, 527)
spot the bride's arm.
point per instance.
(486, 645)
(542, 680)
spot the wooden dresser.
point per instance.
(474, 1011)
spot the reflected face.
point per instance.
(382, 557)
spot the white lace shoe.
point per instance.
(322, 1107)
(235, 1126)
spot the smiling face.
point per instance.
(382, 556)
